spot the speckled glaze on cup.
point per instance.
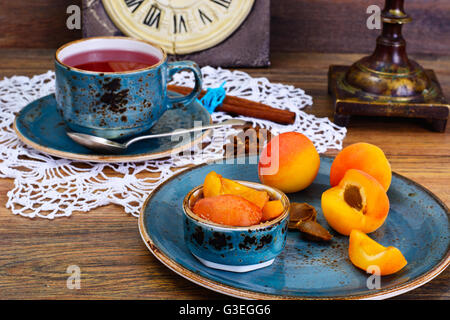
(117, 104)
(237, 249)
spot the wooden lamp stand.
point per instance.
(388, 83)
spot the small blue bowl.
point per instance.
(237, 249)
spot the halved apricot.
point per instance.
(257, 197)
(212, 186)
(357, 202)
(365, 157)
(272, 209)
(215, 185)
(229, 210)
(365, 252)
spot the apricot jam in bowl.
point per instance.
(232, 247)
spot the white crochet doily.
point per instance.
(49, 187)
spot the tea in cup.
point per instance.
(116, 87)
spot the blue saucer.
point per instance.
(40, 126)
(417, 224)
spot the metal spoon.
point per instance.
(104, 145)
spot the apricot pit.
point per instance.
(357, 202)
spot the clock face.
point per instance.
(179, 26)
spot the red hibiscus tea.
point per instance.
(115, 87)
(111, 60)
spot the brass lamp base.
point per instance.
(388, 83)
(349, 101)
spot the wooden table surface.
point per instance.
(105, 243)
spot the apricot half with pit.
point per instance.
(365, 157)
(357, 202)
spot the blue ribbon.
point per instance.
(213, 98)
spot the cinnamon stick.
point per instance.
(248, 108)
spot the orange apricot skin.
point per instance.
(214, 185)
(271, 210)
(365, 252)
(229, 210)
(258, 197)
(365, 157)
(342, 217)
(289, 162)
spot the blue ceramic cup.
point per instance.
(236, 249)
(116, 105)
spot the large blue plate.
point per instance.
(417, 224)
(40, 126)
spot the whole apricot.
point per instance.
(365, 157)
(289, 162)
(357, 202)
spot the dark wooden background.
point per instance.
(297, 25)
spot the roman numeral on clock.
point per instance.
(133, 4)
(224, 3)
(204, 17)
(179, 24)
(153, 17)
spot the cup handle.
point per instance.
(177, 66)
